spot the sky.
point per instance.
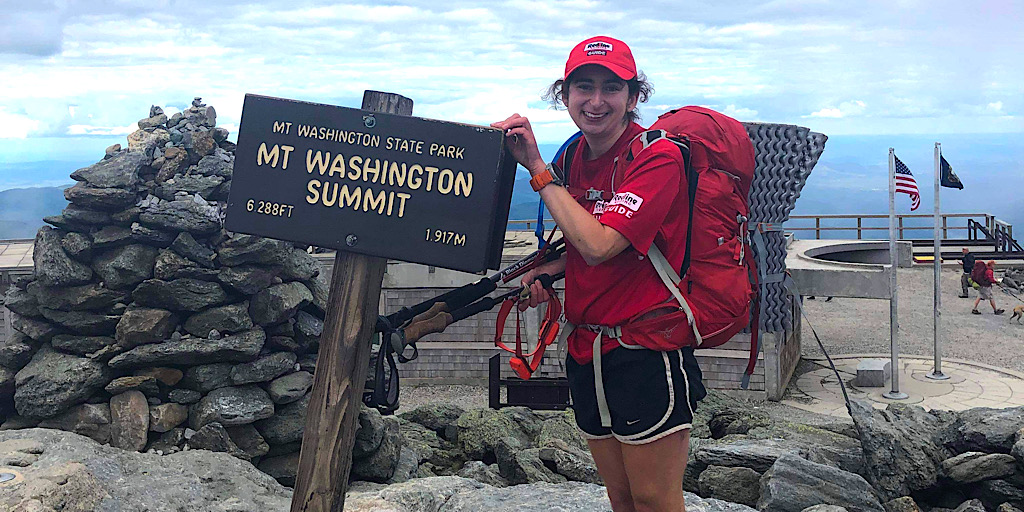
(75, 70)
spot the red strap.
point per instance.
(520, 363)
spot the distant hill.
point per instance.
(22, 209)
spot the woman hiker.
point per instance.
(984, 275)
(636, 411)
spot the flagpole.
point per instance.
(894, 325)
(936, 373)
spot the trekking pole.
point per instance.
(464, 295)
(440, 321)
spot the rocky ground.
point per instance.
(862, 325)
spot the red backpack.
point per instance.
(979, 274)
(714, 280)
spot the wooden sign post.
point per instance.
(374, 183)
(333, 414)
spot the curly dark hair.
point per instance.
(638, 86)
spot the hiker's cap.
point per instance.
(603, 51)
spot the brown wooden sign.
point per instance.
(398, 187)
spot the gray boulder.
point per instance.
(242, 249)
(484, 473)
(191, 184)
(971, 467)
(165, 417)
(212, 165)
(124, 267)
(182, 215)
(249, 440)
(481, 431)
(287, 424)
(235, 405)
(207, 377)
(111, 236)
(79, 344)
(76, 215)
(37, 330)
(738, 485)
(186, 245)
(215, 438)
(279, 302)
(52, 382)
(73, 469)
(793, 484)
(380, 465)
(523, 466)
(107, 199)
(572, 464)
(436, 417)
(179, 294)
(298, 265)
(246, 279)
(53, 267)
(184, 396)
(81, 322)
(984, 430)
(89, 297)
(78, 246)
(369, 434)
(900, 452)
(291, 387)
(240, 348)
(149, 235)
(308, 330)
(140, 326)
(282, 468)
(120, 171)
(971, 506)
(90, 420)
(995, 492)
(231, 318)
(22, 302)
(145, 383)
(15, 351)
(263, 369)
(129, 421)
(1018, 448)
(758, 455)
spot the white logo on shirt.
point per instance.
(627, 199)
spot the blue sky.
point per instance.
(80, 69)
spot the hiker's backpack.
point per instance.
(979, 274)
(714, 279)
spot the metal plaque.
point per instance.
(399, 187)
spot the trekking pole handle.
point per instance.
(437, 323)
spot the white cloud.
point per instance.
(845, 109)
(16, 126)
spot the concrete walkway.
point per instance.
(970, 385)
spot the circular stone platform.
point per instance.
(969, 385)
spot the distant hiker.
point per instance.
(634, 404)
(983, 274)
(965, 278)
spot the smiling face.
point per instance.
(598, 102)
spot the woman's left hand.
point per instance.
(522, 142)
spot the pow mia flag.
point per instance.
(946, 176)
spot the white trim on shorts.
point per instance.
(668, 412)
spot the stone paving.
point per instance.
(969, 385)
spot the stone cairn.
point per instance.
(147, 325)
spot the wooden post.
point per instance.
(332, 417)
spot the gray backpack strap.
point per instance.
(671, 279)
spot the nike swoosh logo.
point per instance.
(632, 422)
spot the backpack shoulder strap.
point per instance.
(671, 279)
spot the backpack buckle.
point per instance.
(594, 194)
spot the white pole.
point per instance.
(936, 373)
(894, 325)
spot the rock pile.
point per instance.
(147, 325)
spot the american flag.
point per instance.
(906, 184)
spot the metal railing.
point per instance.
(951, 222)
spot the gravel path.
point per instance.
(848, 326)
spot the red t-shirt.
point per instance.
(647, 203)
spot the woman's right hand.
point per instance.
(521, 142)
(538, 295)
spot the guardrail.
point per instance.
(951, 222)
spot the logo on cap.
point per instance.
(597, 48)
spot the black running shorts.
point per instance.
(650, 394)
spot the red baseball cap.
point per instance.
(603, 51)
